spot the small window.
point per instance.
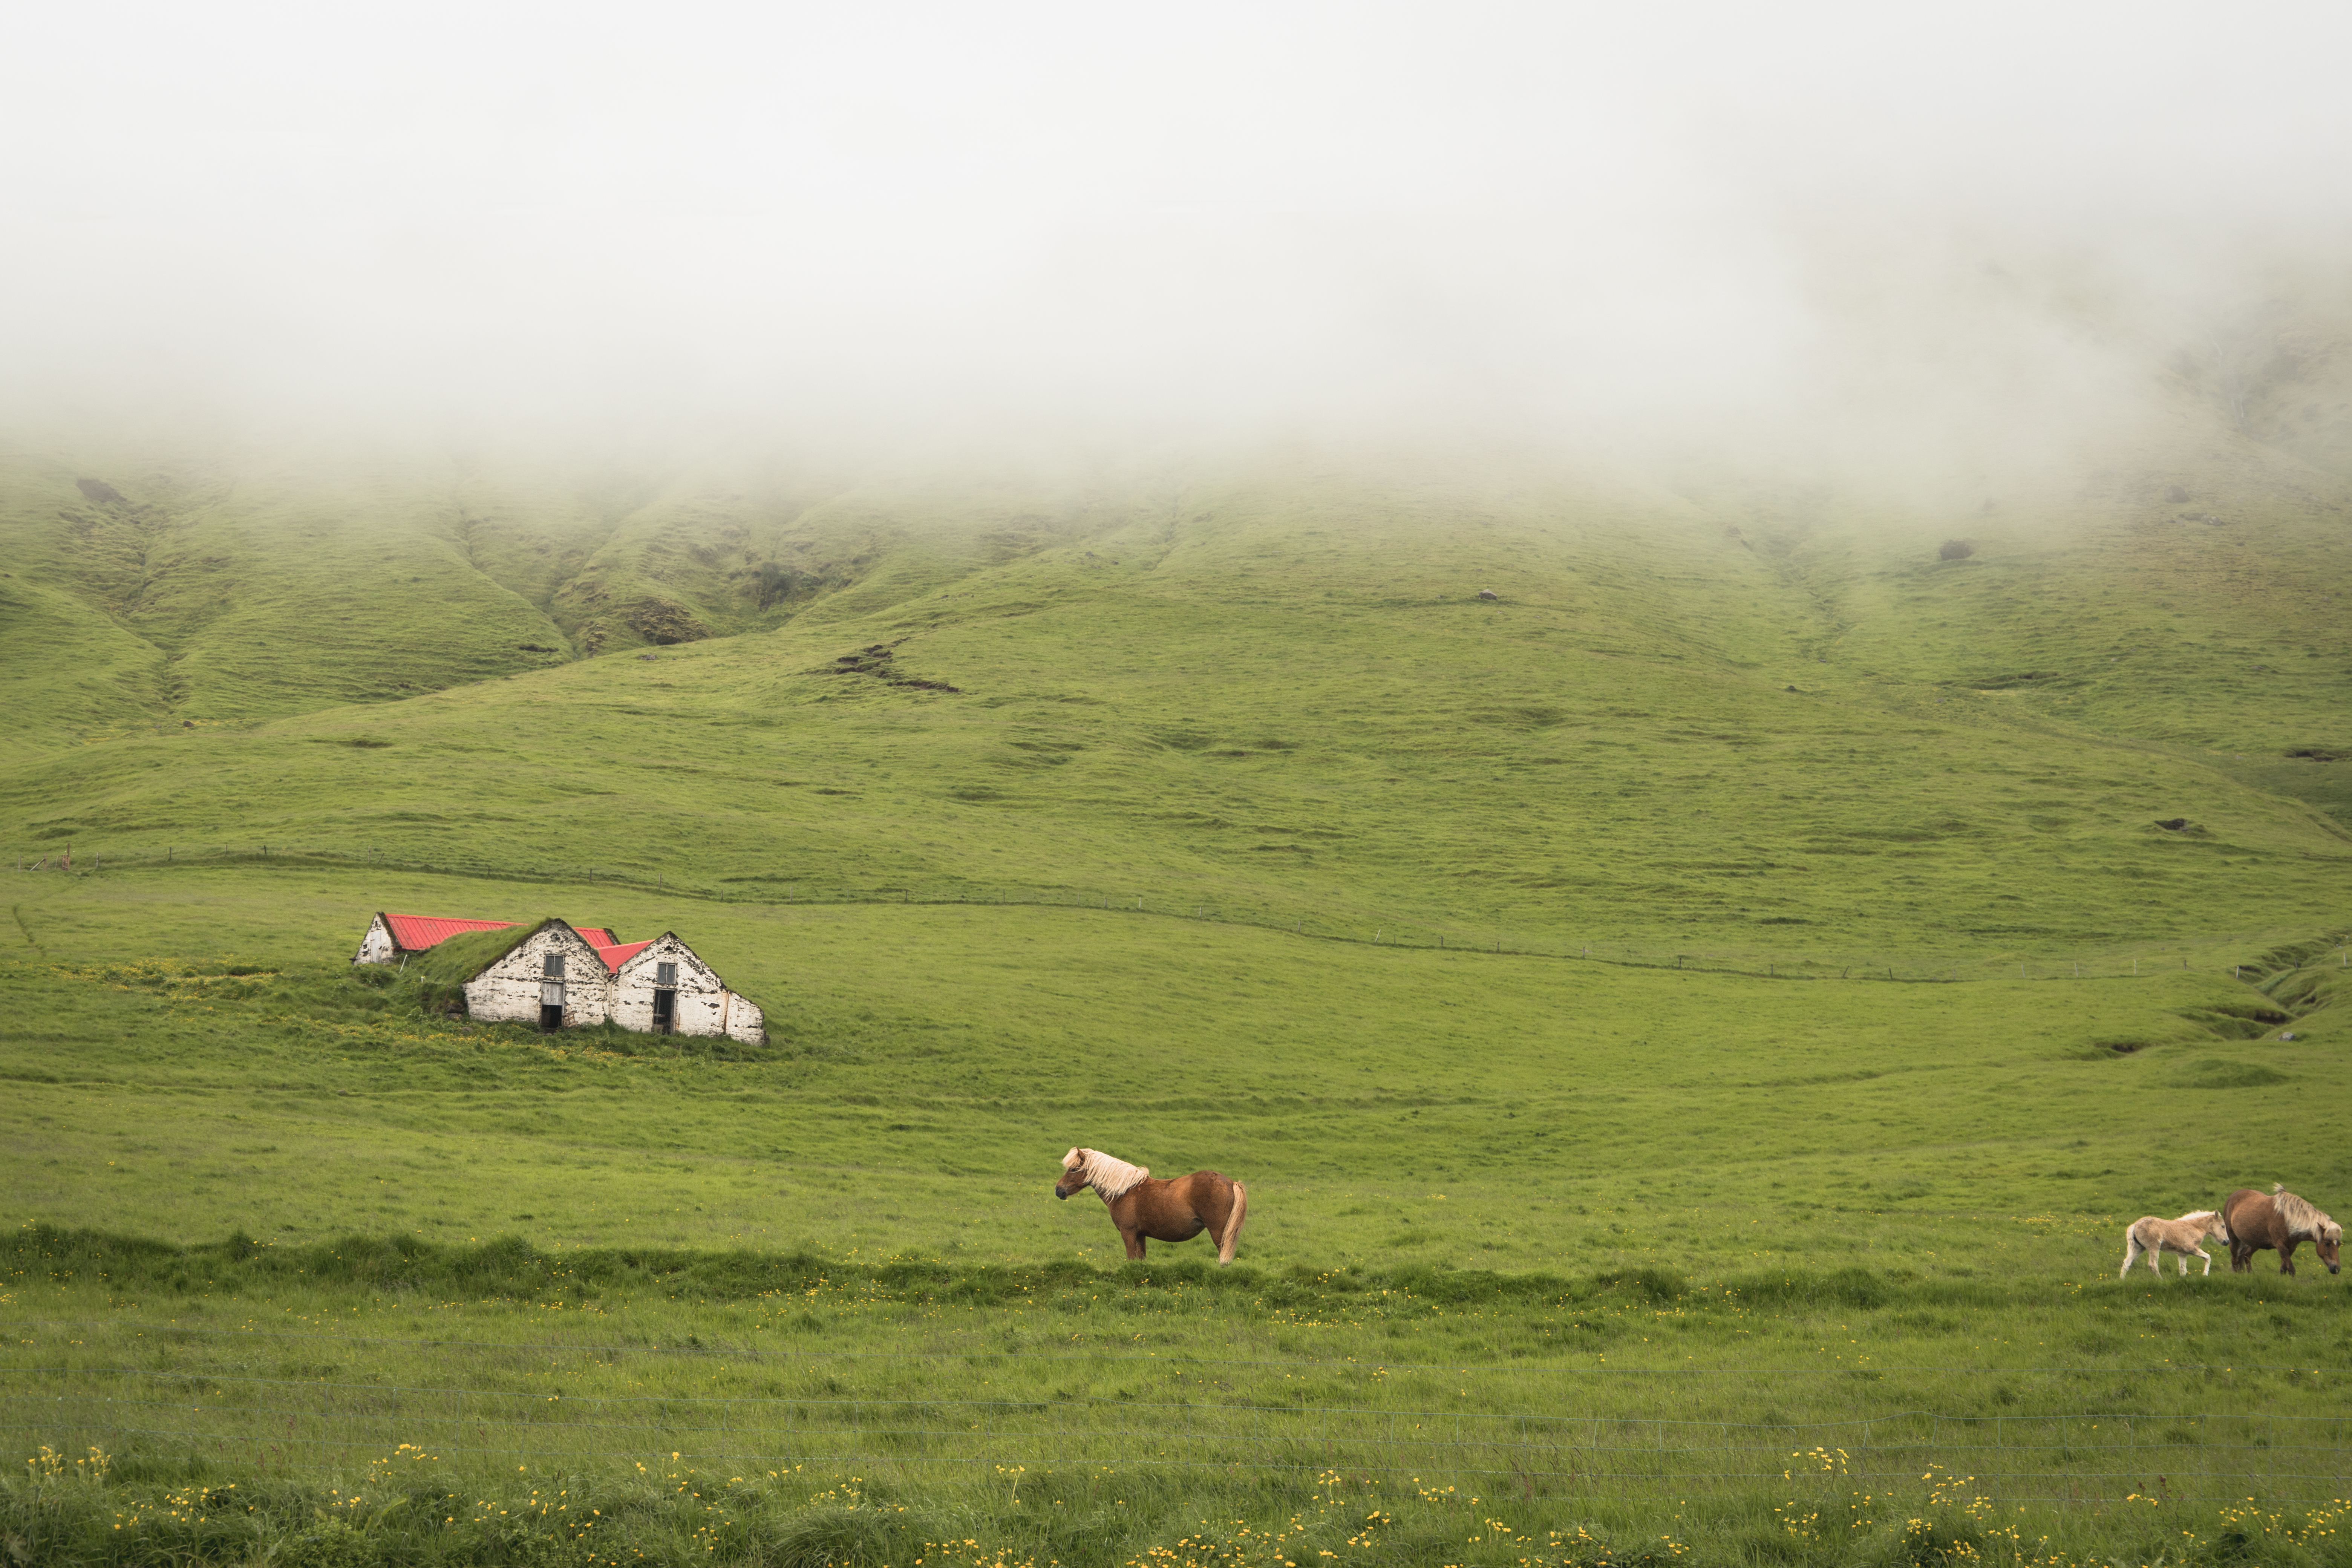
(665, 973)
(554, 966)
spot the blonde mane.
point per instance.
(1106, 1173)
(2301, 1217)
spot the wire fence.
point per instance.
(1576, 1430)
(2265, 951)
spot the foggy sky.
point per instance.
(1109, 222)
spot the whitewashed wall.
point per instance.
(377, 946)
(508, 990)
(704, 1007)
(744, 1021)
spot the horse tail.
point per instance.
(1232, 1225)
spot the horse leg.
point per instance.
(2131, 1255)
(2286, 1254)
(2201, 1253)
(1134, 1239)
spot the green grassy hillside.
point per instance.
(1574, 1262)
(1727, 991)
(148, 591)
(1278, 695)
(1591, 1114)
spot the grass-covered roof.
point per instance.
(466, 954)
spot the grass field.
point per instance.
(1694, 1027)
(1565, 1233)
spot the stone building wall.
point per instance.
(377, 946)
(509, 991)
(702, 1003)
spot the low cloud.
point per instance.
(1927, 241)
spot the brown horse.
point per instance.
(1143, 1206)
(2280, 1220)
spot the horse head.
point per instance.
(1074, 1177)
(2209, 1222)
(2328, 1240)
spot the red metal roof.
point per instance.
(414, 933)
(616, 954)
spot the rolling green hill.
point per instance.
(150, 590)
(1689, 719)
(1213, 816)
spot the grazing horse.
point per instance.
(2156, 1237)
(1143, 1206)
(2280, 1221)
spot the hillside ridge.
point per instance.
(2106, 703)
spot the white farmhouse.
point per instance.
(661, 987)
(553, 978)
(560, 978)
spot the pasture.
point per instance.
(1547, 1260)
(1694, 1027)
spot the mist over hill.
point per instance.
(1680, 674)
(1918, 241)
(1909, 457)
(1690, 701)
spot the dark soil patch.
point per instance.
(875, 660)
(661, 623)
